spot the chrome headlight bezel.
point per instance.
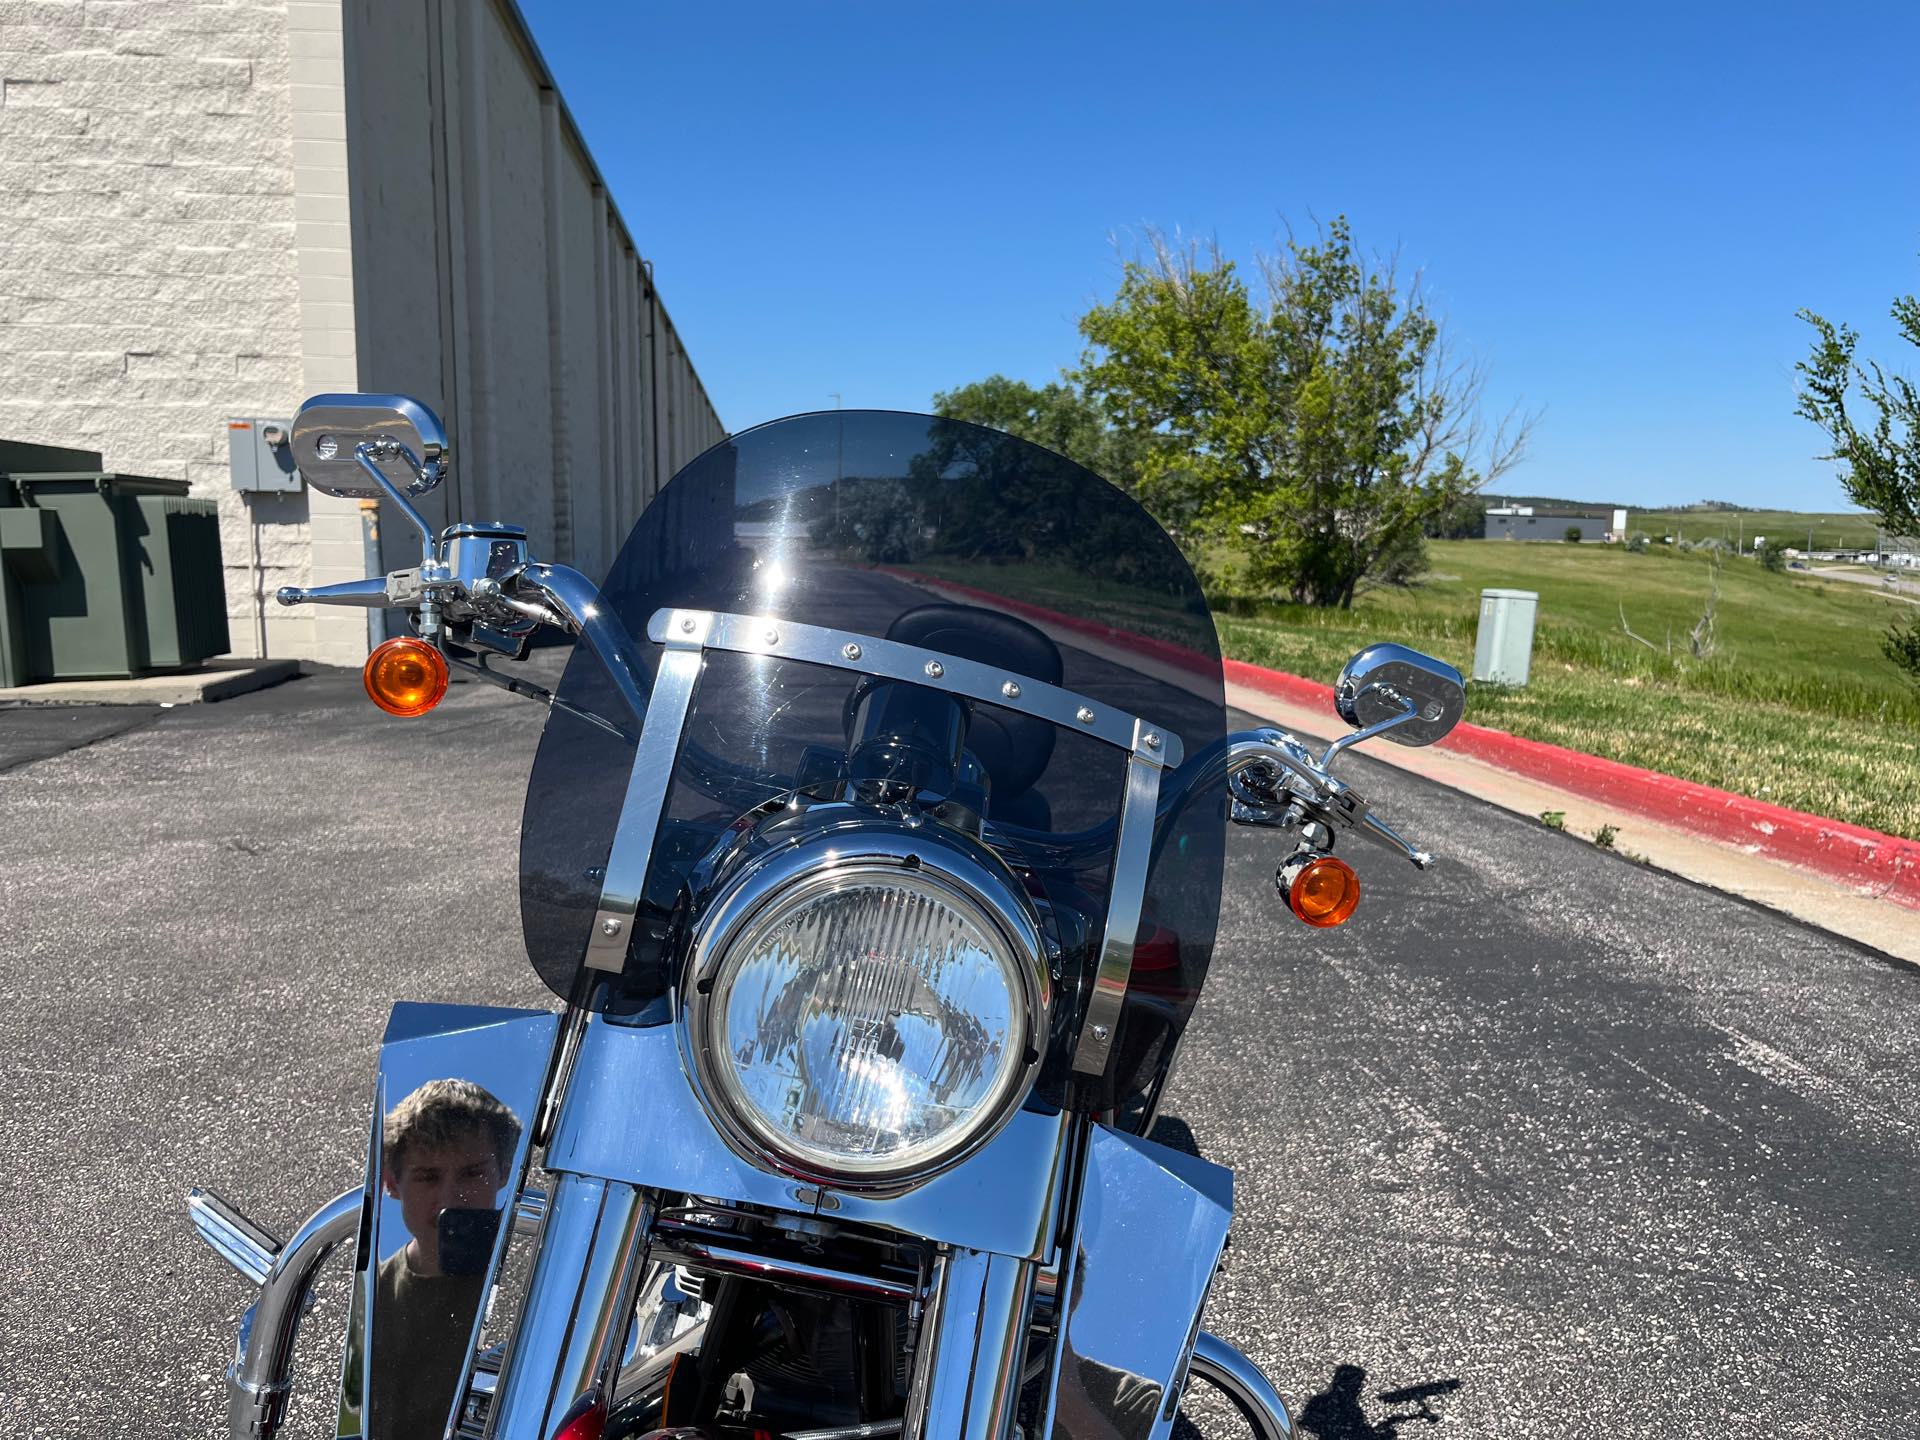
(977, 883)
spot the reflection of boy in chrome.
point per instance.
(447, 1146)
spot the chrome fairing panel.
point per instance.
(1003, 1201)
(505, 1053)
(1151, 1226)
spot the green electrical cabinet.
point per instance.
(104, 575)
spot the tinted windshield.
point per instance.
(947, 536)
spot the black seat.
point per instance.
(1012, 747)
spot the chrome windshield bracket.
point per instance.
(1132, 853)
(683, 634)
(889, 659)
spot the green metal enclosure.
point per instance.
(102, 574)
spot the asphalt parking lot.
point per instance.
(1559, 1146)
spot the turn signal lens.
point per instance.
(588, 1421)
(406, 676)
(1325, 892)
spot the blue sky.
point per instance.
(1618, 207)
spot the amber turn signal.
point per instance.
(1324, 891)
(406, 676)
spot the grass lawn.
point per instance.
(1797, 706)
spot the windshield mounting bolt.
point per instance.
(1099, 1032)
(852, 652)
(1151, 740)
(1011, 690)
(1085, 715)
(609, 927)
(686, 625)
(936, 669)
(772, 636)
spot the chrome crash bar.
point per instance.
(260, 1376)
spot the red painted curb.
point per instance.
(1848, 853)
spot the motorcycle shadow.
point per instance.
(1337, 1412)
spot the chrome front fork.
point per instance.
(579, 1306)
(973, 1345)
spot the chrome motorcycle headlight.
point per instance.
(866, 1020)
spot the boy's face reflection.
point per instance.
(462, 1175)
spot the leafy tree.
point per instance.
(1465, 520)
(1773, 555)
(1318, 426)
(1877, 444)
(1572, 536)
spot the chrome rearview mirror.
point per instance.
(338, 440)
(1400, 694)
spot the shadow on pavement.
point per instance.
(1337, 1414)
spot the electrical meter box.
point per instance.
(1503, 653)
(260, 454)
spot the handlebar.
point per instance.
(1273, 780)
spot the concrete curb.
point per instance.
(1851, 854)
(217, 680)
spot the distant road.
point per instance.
(1905, 589)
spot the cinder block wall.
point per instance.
(215, 208)
(150, 272)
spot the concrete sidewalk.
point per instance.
(216, 680)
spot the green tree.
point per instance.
(1318, 426)
(1877, 444)
(1465, 520)
(1773, 554)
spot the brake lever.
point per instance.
(1270, 772)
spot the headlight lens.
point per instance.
(868, 1021)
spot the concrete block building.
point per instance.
(218, 207)
(1546, 522)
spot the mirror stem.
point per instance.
(364, 453)
(1410, 712)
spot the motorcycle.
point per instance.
(877, 887)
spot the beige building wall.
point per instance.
(496, 281)
(150, 284)
(217, 209)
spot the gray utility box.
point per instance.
(260, 455)
(1503, 653)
